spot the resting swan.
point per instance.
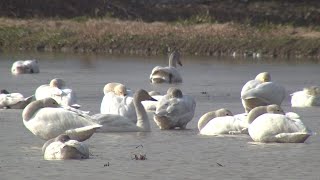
(57, 90)
(174, 110)
(167, 74)
(119, 101)
(221, 121)
(118, 123)
(308, 97)
(261, 92)
(13, 100)
(25, 67)
(46, 119)
(277, 126)
(63, 147)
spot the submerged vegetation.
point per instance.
(109, 35)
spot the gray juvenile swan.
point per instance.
(63, 147)
(167, 74)
(118, 123)
(13, 100)
(261, 91)
(174, 110)
(46, 119)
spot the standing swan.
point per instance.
(62, 147)
(46, 119)
(118, 123)
(261, 92)
(57, 90)
(270, 124)
(308, 97)
(167, 74)
(221, 121)
(174, 110)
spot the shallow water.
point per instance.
(176, 154)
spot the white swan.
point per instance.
(276, 126)
(221, 121)
(308, 97)
(118, 123)
(62, 148)
(167, 74)
(57, 90)
(13, 100)
(119, 101)
(46, 119)
(174, 110)
(261, 92)
(25, 67)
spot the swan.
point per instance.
(119, 101)
(276, 126)
(57, 90)
(118, 123)
(308, 97)
(25, 67)
(174, 110)
(46, 119)
(261, 91)
(13, 100)
(167, 74)
(221, 121)
(63, 147)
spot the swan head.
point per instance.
(120, 90)
(312, 90)
(223, 112)
(142, 95)
(174, 58)
(274, 109)
(57, 82)
(263, 77)
(174, 93)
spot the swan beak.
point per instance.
(152, 99)
(179, 62)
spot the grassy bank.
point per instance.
(134, 37)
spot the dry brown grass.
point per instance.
(103, 34)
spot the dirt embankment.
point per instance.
(218, 27)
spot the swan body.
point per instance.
(46, 119)
(14, 100)
(221, 121)
(119, 123)
(62, 148)
(168, 74)
(25, 67)
(57, 90)
(308, 97)
(261, 92)
(174, 110)
(279, 128)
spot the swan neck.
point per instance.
(172, 61)
(142, 117)
(30, 110)
(254, 113)
(203, 121)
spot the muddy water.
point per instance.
(177, 154)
